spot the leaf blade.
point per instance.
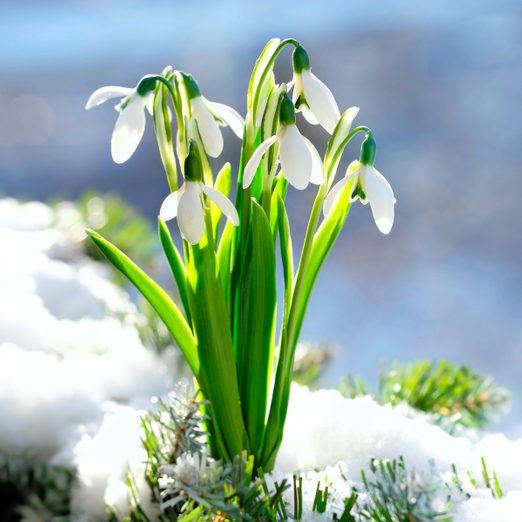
(155, 295)
(255, 325)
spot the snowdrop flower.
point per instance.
(130, 124)
(187, 203)
(369, 186)
(299, 159)
(209, 116)
(311, 96)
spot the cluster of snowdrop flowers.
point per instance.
(299, 159)
(225, 325)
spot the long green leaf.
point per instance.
(223, 184)
(176, 265)
(287, 257)
(156, 296)
(224, 260)
(279, 190)
(217, 375)
(254, 325)
(260, 65)
(322, 243)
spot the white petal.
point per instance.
(208, 127)
(105, 93)
(169, 207)
(332, 196)
(296, 159)
(381, 198)
(317, 176)
(191, 219)
(128, 131)
(321, 101)
(297, 84)
(261, 112)
(253, 162)
(229, 115)
(149, 103)
(226, 206)
(309, 116)
(354, 169)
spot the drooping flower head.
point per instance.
(300, 161)
(130, 124)
(369, 186)
(187, 203)
(209, 116)
(311, 96)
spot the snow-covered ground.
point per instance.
(75, 378)
(73, 370)
(328, 432)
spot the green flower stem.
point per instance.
(175, 98)
(281, 395)
(331, 164)
(290, 331)
(163, 130)
(313, 223)
(176, 266)
(267, 70)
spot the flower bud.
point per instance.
(146, 84)
(286, 111)
(300, 60)
(368, 150)
(193, 168)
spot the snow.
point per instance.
(75, 378)
(339, 436)
(74, 373)
(103, 462)
(506, 509)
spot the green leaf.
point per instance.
(286, 254)
(217, 376)
(279, 190)
(176, 265)
(224, 261)
(156, 296)
(257, 73)
(322, 243)
(223, 184)
(254, 325)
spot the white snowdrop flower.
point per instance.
(369, 186)
(300, 161)
(311, 96)
(130, 124)
(187, 203)
(209, 116)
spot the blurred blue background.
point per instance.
(440, 83)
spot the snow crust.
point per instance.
(75, 378)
